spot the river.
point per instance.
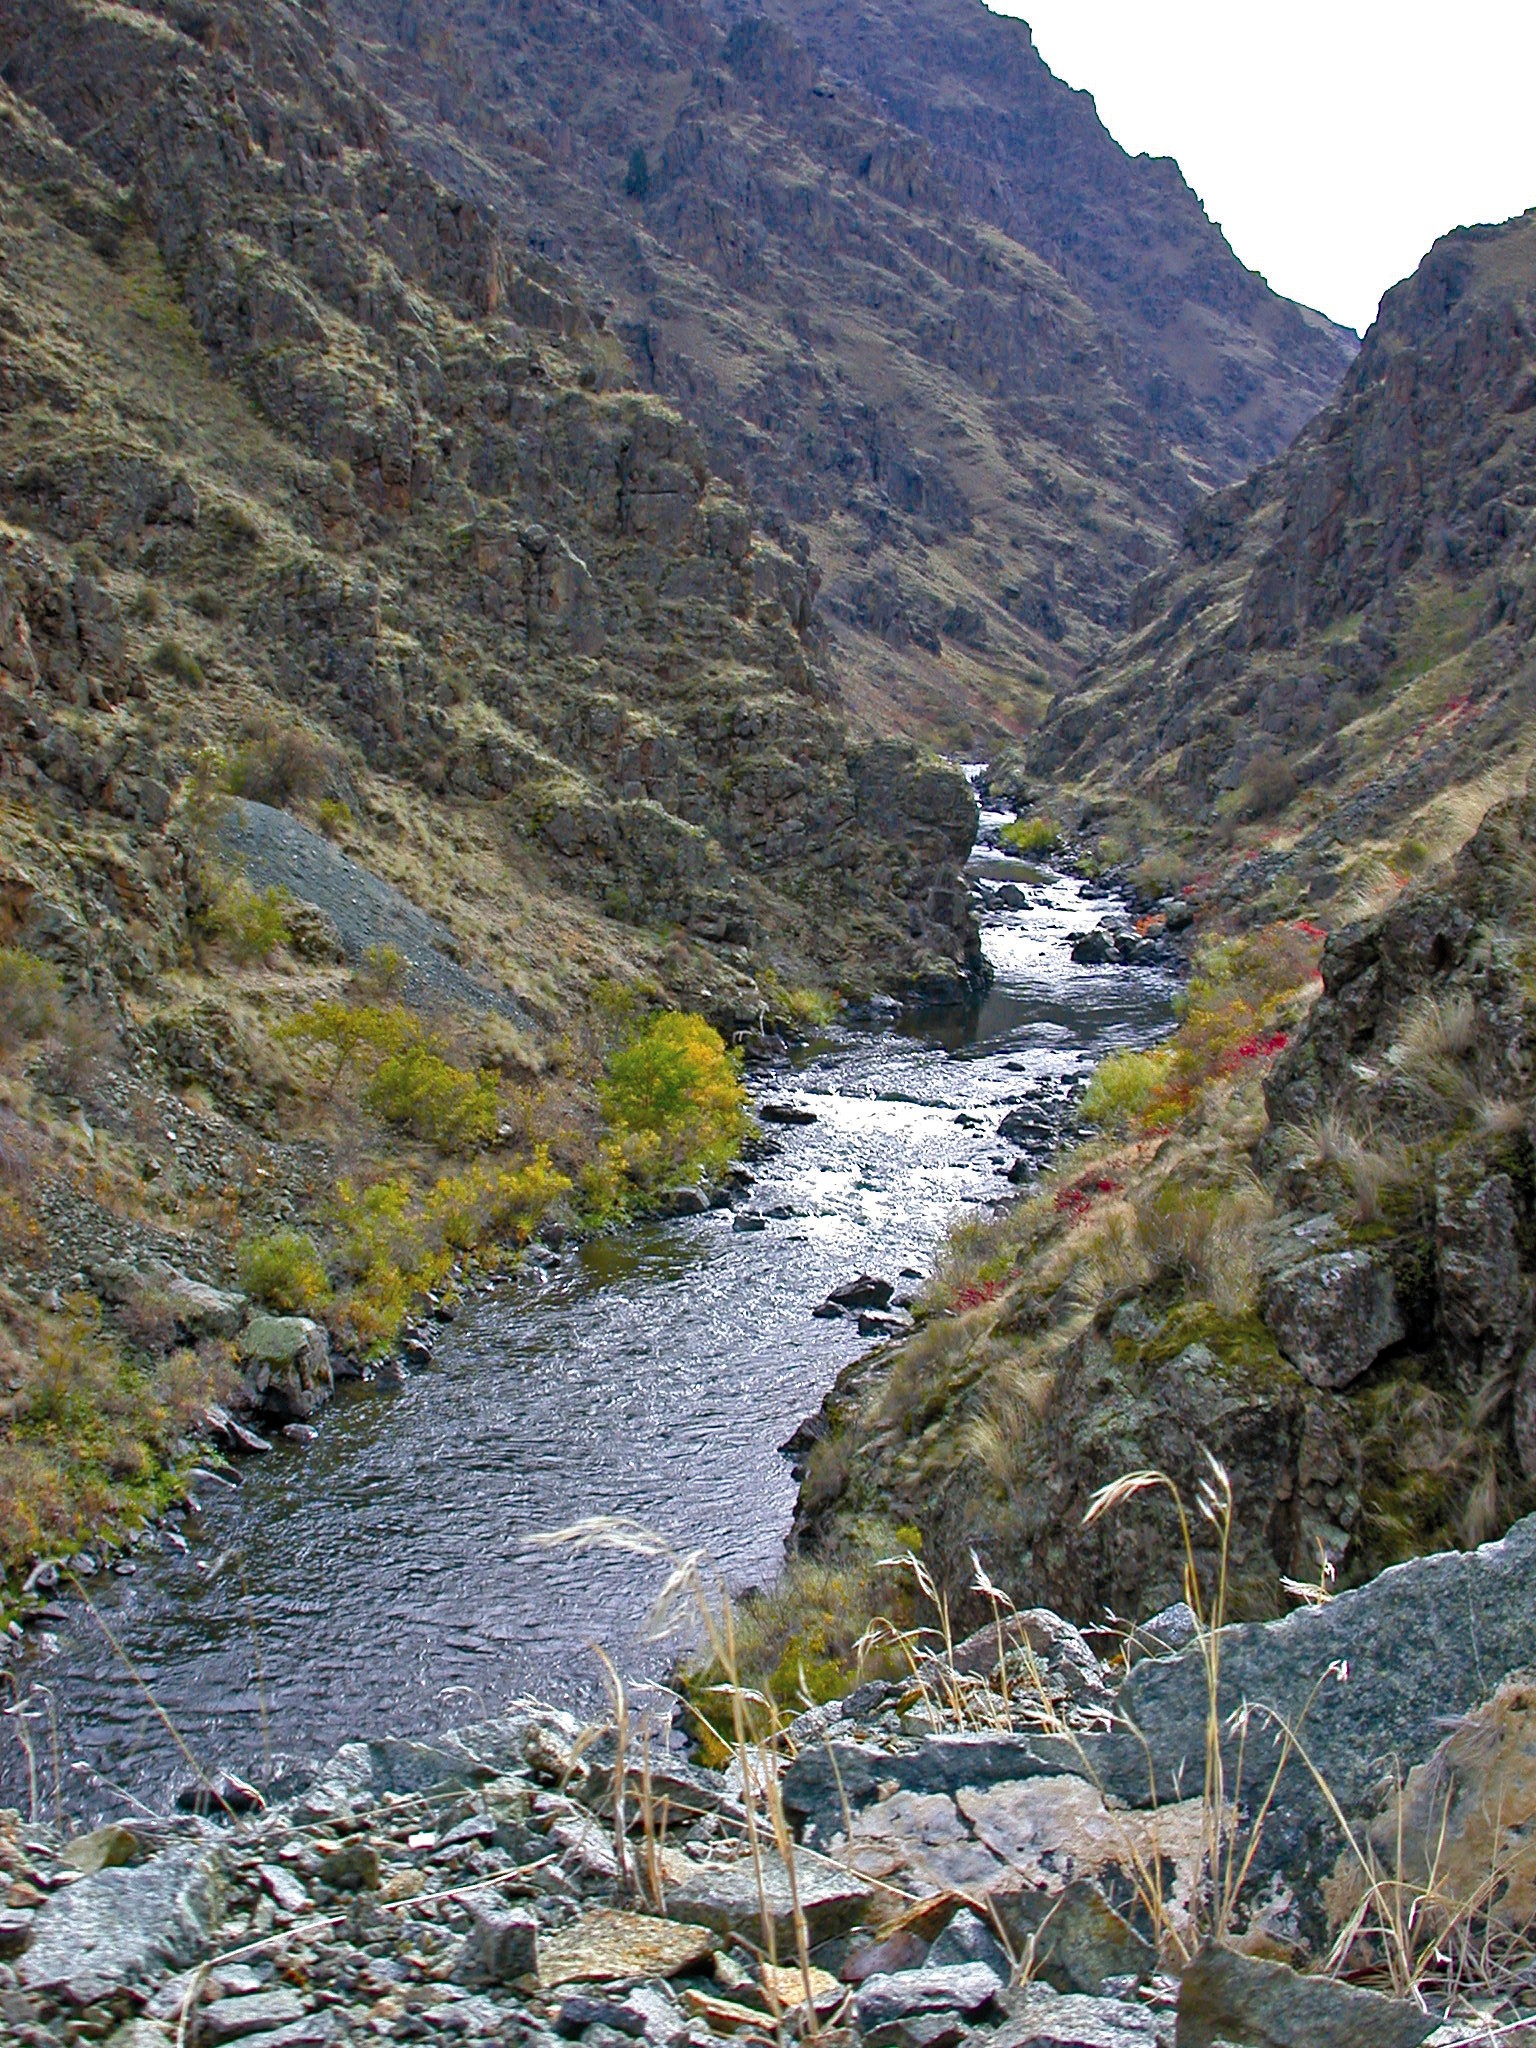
(381, 1579)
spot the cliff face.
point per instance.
(1224, 369)
(1345, 640)
(977, 361)
(289, 433)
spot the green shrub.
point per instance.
(1031, 835)
(31, 997)
(673, 1095)
(252, 923)
(171, 658)
(283, 1270)
(144, 605)
(208, 604)
(445, 1105)
(1124, 1089)
(333, 817)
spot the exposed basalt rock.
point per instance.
(288, 1366)
(1387, 554)
(1333, 1316)
(121, 1926)
(499, 577)
(1369, 1680)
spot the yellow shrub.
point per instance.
(284, 1271)
(1125, 1089)
(1031, 835)
(487, 1203)
(674, 1098)
(427, 1095)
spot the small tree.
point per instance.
(637, 179)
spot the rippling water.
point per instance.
(381, 1579)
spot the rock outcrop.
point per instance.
(1345, 637)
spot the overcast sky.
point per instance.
(1333, 140)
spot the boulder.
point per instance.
(1074, 1937)
(203, 1311)
(119, 1926)
(785, 1113)
(1460, 1818)
(1372, 1677)
(865, 1292)
(1333, 1316)
(1093, 949)
(960, 1987)
(1227, 2000)
(726, 1897)
(612, 1947)
(256, 2012)
(288, 1366)
(500, 1948)
(1043, 2018)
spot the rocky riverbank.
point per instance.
(1018, 1844)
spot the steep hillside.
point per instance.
(1335, 678)
(981, 367)
(400, 724)
(289, 434)
(1224, 369)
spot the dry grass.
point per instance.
(1371, 1164)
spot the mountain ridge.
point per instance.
(928, 408)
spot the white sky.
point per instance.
(1333, 140)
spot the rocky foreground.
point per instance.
(1013, 1845)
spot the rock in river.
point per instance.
(288, 1365)
(864, 1292)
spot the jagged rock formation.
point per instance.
(905, 282)
(288, 431)
(1347, 636)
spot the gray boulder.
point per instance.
(501, 1947)
(1371, 1678)
(288, 1366)
(961, 1987)
(1043, 2018)
(203, 1311)
(1333, 1316)
(727, 1898)
(123, 1925)
(1226, 1999)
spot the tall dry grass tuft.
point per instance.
(1371, 1164)
(692, 1600)
(1206, 1235)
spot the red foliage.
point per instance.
(1263, 1047)
(978, 1297)
(1313, 931)
(1075, 1201)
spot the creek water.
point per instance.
(382, 1580)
